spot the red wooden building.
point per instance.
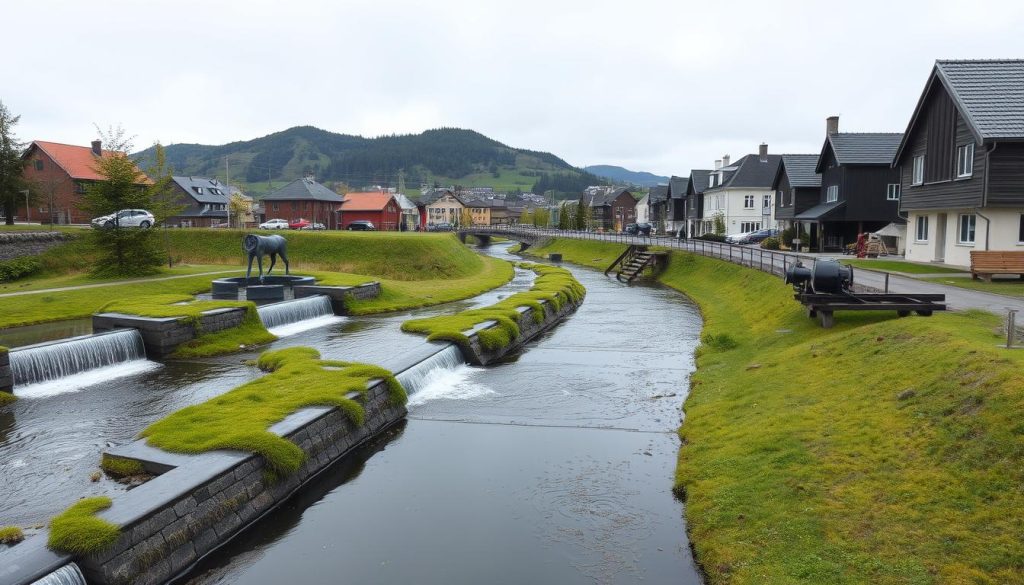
(380, 208)
(303, 199)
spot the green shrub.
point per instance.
(78, 531)
(770, 243)
(19, 268)
(711, 237)
(719, 341)
(11, 535)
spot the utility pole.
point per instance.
(401, 181)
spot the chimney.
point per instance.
(725, 160)
(97, 148)
(718, 164)
(763, 152)
(831, 125)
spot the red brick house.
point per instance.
(380, 208)
(612, 210)
(60, 173)
(303, 199)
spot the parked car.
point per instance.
(361, 225)
(274, 224)
(639, 229)
(139, 218)
(759, 236)
(314, 226)
(298, 224)
(440, 227)
(737, 238)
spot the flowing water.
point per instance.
(67, 575)
(291, 317)
(553, 467)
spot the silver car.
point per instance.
(139, 218)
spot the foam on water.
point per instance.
(444, 383)
(284, 313)
(85, 379)
(305, 325)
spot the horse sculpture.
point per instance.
(258, 246)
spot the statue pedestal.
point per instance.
(264, 292)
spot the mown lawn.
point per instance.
(1013, 287)
(884, 450)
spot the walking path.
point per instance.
(776, 262)
(113, 283)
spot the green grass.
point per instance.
(1012, 287)
(119, 467)
(48, 281)
(11, 535)
(897, 266)
(553, 285)
(240, 418)
(78, 531)
(883, 450)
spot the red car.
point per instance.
(298, 224)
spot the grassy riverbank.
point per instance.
(883, 450)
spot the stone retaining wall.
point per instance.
(6, 375)
(18, 244)
(339, 295)
(162, 335)
(528, 330)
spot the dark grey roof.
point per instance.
(191, 212)
(698, 180)
(302, 190)
(657, 194)
(752, 172)
(605, 198)
(203, 189)
(990, 94)
(861, 148)
(677, 187)
(800, 170)
(820, 211)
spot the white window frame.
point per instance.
(782, 198)
(749, 226)
(711, 180)
(766, 202)
(1020, 230)
(965, 160)
(969, 221)
(892, 192)
(832, 194)
(921, 229)
(748, 202)
(917, 170)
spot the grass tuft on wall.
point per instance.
(78, 531)
(11, 535)
(240, 419)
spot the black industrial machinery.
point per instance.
(827, 286)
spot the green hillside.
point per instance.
(445, 156)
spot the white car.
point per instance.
(139, 218)
(737, 238)
(274, 224)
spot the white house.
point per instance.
(742, 192)
(643, 212)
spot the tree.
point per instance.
(525, 217)
(12, 182)
(541, 217)
(718, 220)
(466, 219)
(563, 217)
(164, 201)
(588, 217)
(581, 216)
(239, 207)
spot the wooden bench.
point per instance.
(986, 263)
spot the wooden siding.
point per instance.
(940, 133)
(782, 194)
(864, 189)
(1006, 179)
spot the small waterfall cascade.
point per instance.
(414, 378)
(69, 574)
(41, 363)
(287, 312)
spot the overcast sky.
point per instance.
(661, 86)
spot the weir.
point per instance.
(288, 312)
(67, 575)
(413, 378)
(50, 361)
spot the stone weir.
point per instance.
(162, 335)
(197, 503)
(6, 374)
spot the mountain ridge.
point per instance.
(618, 174)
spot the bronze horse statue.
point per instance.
(258, 246)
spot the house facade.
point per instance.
(377, 207)
(860, 190)
(643, 211)
(410, 213)
(961, 162)
(611, 211)
(694, 212)
(304, 199)
(205, 201)
(741, 192)
(61, 173)
(657, 205)
(446, 208)
(797, 188)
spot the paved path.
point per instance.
(113, 283)
(776, 262)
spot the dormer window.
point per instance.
(198, 190)
(711, 180)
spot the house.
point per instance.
(446, 208)
(643, 211)
(961, 162)
(741, 193)
(675, 205)
(410, 213)
(797, 188)
(205, 201)
(377, 207)
(612, 210)
(61, 173)
(657, 206)
(304, 199)
(693, 216)
(860, 190)
(488, 211)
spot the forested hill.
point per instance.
(445, 156)
(621, 175)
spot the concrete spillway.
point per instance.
(39, 365)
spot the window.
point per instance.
(711, 180)
(748, 202)
(39, 164)
(965, 235)
(922, 228)
(965, 160)
(832, 194)
(276, 208)
(79, 187)
(782, 199)
(1020, 229)
(918, 177)
(766, 203)
(749, 226)
(893, 192)
(198, 190)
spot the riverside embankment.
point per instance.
(884, 450)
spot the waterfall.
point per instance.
(313, 311)
(67, 575)
(51, 361)
(415, 378)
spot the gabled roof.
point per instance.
(658, 193)
(203, 189)
(860, 148)
(988, 93)
(605, 198)
(304, 190)
(677, 187)
(404, 202)
(751, 172)
(78, 162)
(800, 170)
(367, 201)
(698, 181)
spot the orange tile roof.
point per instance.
(374, 201)
(77, 161)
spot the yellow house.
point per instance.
(445, 209)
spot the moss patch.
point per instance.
(118, 467)
(11, 535)
(553, 284)
(78, 531)
(240, 418)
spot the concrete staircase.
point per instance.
(630, 264)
